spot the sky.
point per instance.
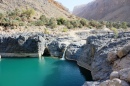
(71, 3)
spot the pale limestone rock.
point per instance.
(114, 74)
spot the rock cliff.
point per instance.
(111, 10)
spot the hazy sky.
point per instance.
(71, 3)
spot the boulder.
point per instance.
(114, 74)
(122, 63)
(124, 51)
(114, 82)
(124, 74)
(112, 57)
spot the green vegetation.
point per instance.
(46, 31)
(28, 13)
(26, 17)
(52, 23)
(115, 31)
(64, 30)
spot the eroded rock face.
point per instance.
(122, 63)
(74, 50)
(56, 48)
(22, 44)
(121, 66)
(96, 53)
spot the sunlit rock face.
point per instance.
(113, 10)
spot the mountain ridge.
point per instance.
(110, 10)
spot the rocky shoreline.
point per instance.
(92, 53)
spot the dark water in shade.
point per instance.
(33, 72)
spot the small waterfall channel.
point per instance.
(0, 57)
(63, 56)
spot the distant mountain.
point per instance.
(111, 10)
(49, 8)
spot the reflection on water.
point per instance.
(44, 72)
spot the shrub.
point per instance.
(128, 24)
(28, 13)
(52, 23)
(1, 16)
(39, 23)
(46, 31)
(21, 24)
(93, 23)
(75, 23)
(68, 24)
(83, 22)
(115, 31)
(80, 25)
(18, 18)
(60, 21)
(15, 23)
(124, 25)
(99, 26)
(103, 22)
(64, 30)
(44, 19)
(24, 18)
(13, 14)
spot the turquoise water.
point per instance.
(34, 72)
